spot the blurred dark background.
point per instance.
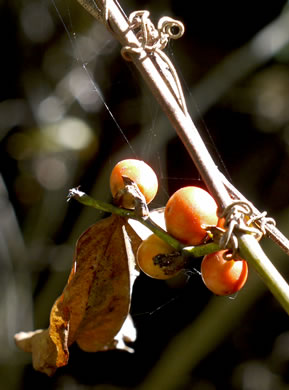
(70, 108)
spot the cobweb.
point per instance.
(91, 48)
(84, 109)
(75, 108)
(154, 132)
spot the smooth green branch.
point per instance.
(253, 253)
(82, 197)
(192, 251)
(201, 250)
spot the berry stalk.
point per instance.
(191, 251)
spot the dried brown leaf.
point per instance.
(93, 308)
(43, 349)
(109, 298)
(59, 330)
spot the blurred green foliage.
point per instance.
(70, 108)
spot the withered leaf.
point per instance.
(109, 296)
(39, 343)
(59, 330)
(93, 309)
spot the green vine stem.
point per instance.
(190, 251)
(253, 253)
(249, 247)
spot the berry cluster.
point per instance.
(186, 213)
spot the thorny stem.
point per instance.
(191, 251)
(188, 133)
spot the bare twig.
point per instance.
(114, 17)
(181, 122)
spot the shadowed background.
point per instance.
(70, 108)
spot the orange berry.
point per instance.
(148, 249)
(186, 211)
(139, 172)
(223, 277)
(221, 223)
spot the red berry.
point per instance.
(223, 277)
